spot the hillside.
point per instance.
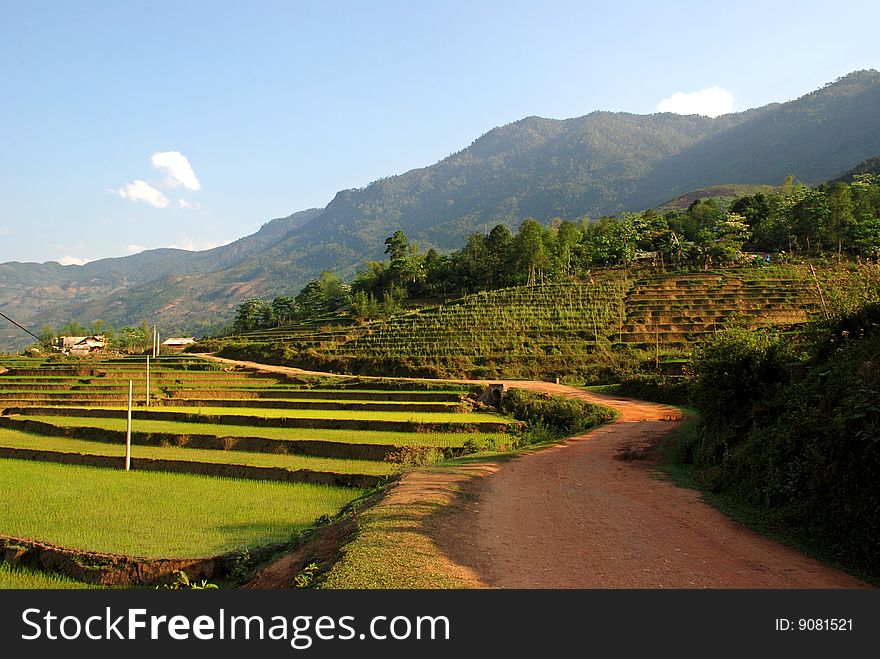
(572, 329)
(598, 164)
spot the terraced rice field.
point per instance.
(221, 460)
(185, 429)
(502, 324)
(678, 310)
(155, 514)
(543, 326)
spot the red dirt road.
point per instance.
(574, 516)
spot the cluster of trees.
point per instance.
(322, 295)
(840, 218)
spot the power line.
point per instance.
(21, 327)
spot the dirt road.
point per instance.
(576, 516)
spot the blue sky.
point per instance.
(131, 125)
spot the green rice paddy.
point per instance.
(22, 440)
(436, 439)
(153, 514)
(21, 578)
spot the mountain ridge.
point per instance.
(598, 164)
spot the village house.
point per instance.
(178, 343)
(80, 345)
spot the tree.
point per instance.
(322, 295)
(252, 314)
(284, 309)
(73, 328)
(568, 237)
(47, 335)
(498, 244)
(130, 339)
(472, 265)
(397, 246)
(730, 236)
(530, 251)
(841, 220)
(612, 242)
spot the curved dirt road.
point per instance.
(576, 516)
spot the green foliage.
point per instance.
(801, 446)
(306, 577)
(736, 372)
(658, 388)
(553, 417)
(407, 457)
(183, 582)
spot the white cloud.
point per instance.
(190, 205)
(141, 191)
(710, 102)
(178, 171)
(5, 231)
(72, 260)
(134, 249)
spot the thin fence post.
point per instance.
(148, 381)
(128, 432)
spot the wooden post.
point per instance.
(819, 288)
(158, 345)
(148, 381)
(657, 353)
(128, 432)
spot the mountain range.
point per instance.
(598, 164)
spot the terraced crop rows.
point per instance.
(542, 325)
(682, 309)
(208, 421)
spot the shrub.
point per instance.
(802, 452)
(552, 417)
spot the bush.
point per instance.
(804, 453)
(672, 390)
(552, 417)
(734, 373)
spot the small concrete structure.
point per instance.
(493, 395)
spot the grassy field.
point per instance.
(20, 578)
(436, 439)
(154, 514)
(17, 439)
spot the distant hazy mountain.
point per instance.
(38, 293)
(593, 165)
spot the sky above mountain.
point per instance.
(136, 125)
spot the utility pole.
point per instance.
(128, 432)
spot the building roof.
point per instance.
(179, 341)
